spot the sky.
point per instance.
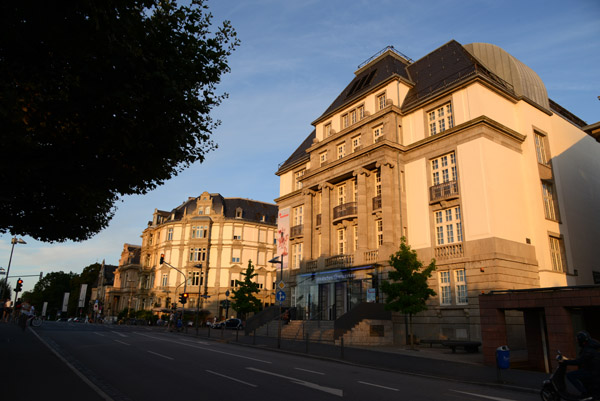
(295, 57)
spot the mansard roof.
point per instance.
(300, 154)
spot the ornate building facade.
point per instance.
(462, 153)
(206, 243)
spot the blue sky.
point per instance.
(297, 56)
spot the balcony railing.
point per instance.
(296, 231)
(311, 265)
(371, 256)
(339, 261)
(449, 251)
(343, 210)
(443, 191)
(377, 202)
(319, 219)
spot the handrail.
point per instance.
(364, 310)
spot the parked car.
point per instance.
(234, 324)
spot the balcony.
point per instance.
(449, 251)
(371, 256)
(344, 210)
(339, 261)
(296, 231)
(311, 265)
(377, 202)
(443, 191)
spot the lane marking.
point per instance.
(116, 332)
(206, 349)
(483, 396)
(380, 386)
(162, 356)
(99, 334)
(310, 371)
(87, 381)
(121, 342)
(330, 390)
(194, 341)
(231, 378)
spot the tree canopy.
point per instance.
(101, 99)
(244, 298)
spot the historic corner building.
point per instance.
(461, 152)
(207, 243)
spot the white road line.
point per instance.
(121, 342)
(310, 371)
(99, 334)
(483, 396)
(87, 381)
(195, 341)
(206, 349)
(330, 390)
(231, 378)
(377, 385)
(162, 356)
(117, 333)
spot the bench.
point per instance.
(469, 346)
(431, 342)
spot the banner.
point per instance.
(283, 235)
(82, 294)
(44, 308)
(65, 305)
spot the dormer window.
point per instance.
(239, 213)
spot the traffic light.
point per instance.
(19, 285)
(162, 258)
(183, 298)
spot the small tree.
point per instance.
(243, 300)
(408, 291)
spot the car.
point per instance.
(234, 324)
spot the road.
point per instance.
(139, 363)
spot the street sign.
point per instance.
(280, 296)
(281, 285)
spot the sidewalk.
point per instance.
(437, 362)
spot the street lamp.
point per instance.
(14, 241)
(274, 261)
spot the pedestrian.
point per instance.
(7, 310)
(171, 323)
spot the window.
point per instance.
(356, 143)
(557, 254)
(353, 115)
(361, 112)
(379, 229)
(443, 169)
(381, 101)
(440, 119)
(194, 278)
(377, 134)
(165, 280)
(239, 213)
(355, 190)
(341, 194)
(341, 150)
(207, 210)
(235, 260)
(298, 175)
(298, 214)
(461, 287)
(550, 206)
(197, 254)
(540, 149)
(355, 229)
(323, 158)
(199, 231)
(237, 237)
(341, 240)
(327, 130)
(150, 239)
(170, 234)
(445, 290)
(296, 255)
(377, 183)
(345, 120)
(448, 226)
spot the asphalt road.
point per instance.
(139, 363)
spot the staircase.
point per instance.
(298, 329)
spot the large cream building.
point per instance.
(461, 152)
(208, 234)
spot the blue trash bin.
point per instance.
(503, 357)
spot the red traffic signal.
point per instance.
(19, 285)
(162, 258)
(183, 298)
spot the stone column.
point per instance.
(326, 213)
(387, 206)
(307, 229)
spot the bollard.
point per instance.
(342, 347)
(307, 343)
(254, 337)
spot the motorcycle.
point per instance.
(555, 389)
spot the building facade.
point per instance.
(464, 155)
(206, 244)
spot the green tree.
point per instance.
(51, 288)
(243, 299)
(101, 99)
(407, 292)
(88, 276)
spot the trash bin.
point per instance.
(503, 357)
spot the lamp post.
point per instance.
(276, 260)
(14, 241)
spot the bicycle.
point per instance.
(35, 321)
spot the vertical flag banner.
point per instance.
(283, 234)
(65, 305)
(82, 294)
